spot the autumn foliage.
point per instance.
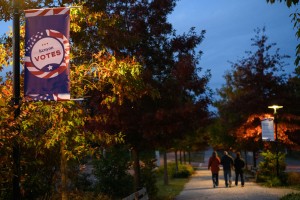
(252, 129)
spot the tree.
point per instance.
(292, 89)
(295, 18)
(115, 78)
(289, 3)
(138, 29)
(253, 83)
(65, 121)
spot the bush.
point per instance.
(184, 170)
(293, 178)
(268, 169)
(269, 164)
(292, 196)
(39, 173)
(148, 178)
(78, 179)
(112, 174)
(77, 195)
(273, 182)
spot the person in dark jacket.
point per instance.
(213, 165)
(227, 162)
(239, 165)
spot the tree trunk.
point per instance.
(246, 159)
(254, 158)
(176, 161)
(63, 171)
(180, 157)
(16, 171)
(136, 168)
(184, 157)
(166, 178)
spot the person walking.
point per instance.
(239, 165)
(227, 162)
(214, 166)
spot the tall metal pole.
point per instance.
(276, 134)
(16, 97)
(275, 108)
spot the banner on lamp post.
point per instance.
(267, 126)
(47, 50)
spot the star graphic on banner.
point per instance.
(50, 67)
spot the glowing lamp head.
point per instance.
(275, 108)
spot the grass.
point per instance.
(168, 192)
(177, 180)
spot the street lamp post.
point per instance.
(16, 96)
(275, 108)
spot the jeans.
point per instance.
(241, 174)
(227, 176)
(215, 179)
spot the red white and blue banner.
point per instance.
(47, 49)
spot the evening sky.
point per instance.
(229, 26)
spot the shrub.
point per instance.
(78, 179)
(112, 174)
(273, 182)
(292, 196)
(77, 195)
(148, 178)
(293, 178)
(268, 169)
(269, 164)
(184, 170)
(39, 173)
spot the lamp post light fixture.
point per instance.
(275, 108)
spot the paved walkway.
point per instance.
(200, 187)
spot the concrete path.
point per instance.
(200, 187)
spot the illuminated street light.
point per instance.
(275, 108)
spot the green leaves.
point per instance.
(296, 19)
(116, 79)
(289, 3)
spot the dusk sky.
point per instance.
(229, 26)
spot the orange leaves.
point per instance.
(5, 92)
(252, 128)
(7, 122)
(65, 110)
(4, 95)
(3, 57)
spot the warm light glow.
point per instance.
(275, 107)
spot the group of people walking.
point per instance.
(228, 163)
